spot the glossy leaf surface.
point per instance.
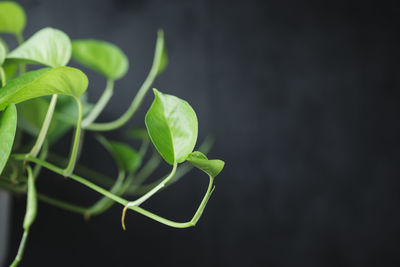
(50, 47)
(12, 17)
(8, 125)
(172, 126)
(102, 57)
(46, 81)
(211, 167)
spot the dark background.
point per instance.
(303, 98)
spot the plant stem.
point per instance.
(30, 215)
(21, 249)
(74, 152)
(45, 127)
(138, 189)
(120, 200)
(108, 126)
(154, 190)
(20, 40)
(100, 105)
(3, 77)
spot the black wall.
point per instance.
(304, 101)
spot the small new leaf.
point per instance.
(49, 47)
(211, 167)
(12, 17)
(172, 126)
(8, 125)
(102, 57)
(46, 81)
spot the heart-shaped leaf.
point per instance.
(50, 47)
(8, 125)
(46, 81)
(103, 57)
(172, 126)
(211, 167)
(12, 17)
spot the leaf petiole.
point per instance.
(75, 146)
(45, 127)
(120, 200)
(100, 105)
(108, 126)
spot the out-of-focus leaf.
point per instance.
(100, 56)
(49, 47)
(8, 125)
(12, 17)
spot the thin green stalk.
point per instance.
(42, 156)
(20, 40)
(45, 127)
(21, 249)
(100, 105)
(154, 190)
(97, 208)
(74, 152)
(30, 215)
(108, 126)
(120, 200)
(61, 204)
(138, 189)
(83, 170)
(3, 77)
(147, 169)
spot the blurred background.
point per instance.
(303, 99)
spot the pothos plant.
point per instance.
(38, 107)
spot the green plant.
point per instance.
(51, 100)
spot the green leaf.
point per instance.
(50, 47)
(3, 53)
(211, 167)
(172, 126)
(10, 70)
(126, 158)
(137, 133)
(103, 57)
(46, 81)
(31, 201)
(8, 125)
(12, 17)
